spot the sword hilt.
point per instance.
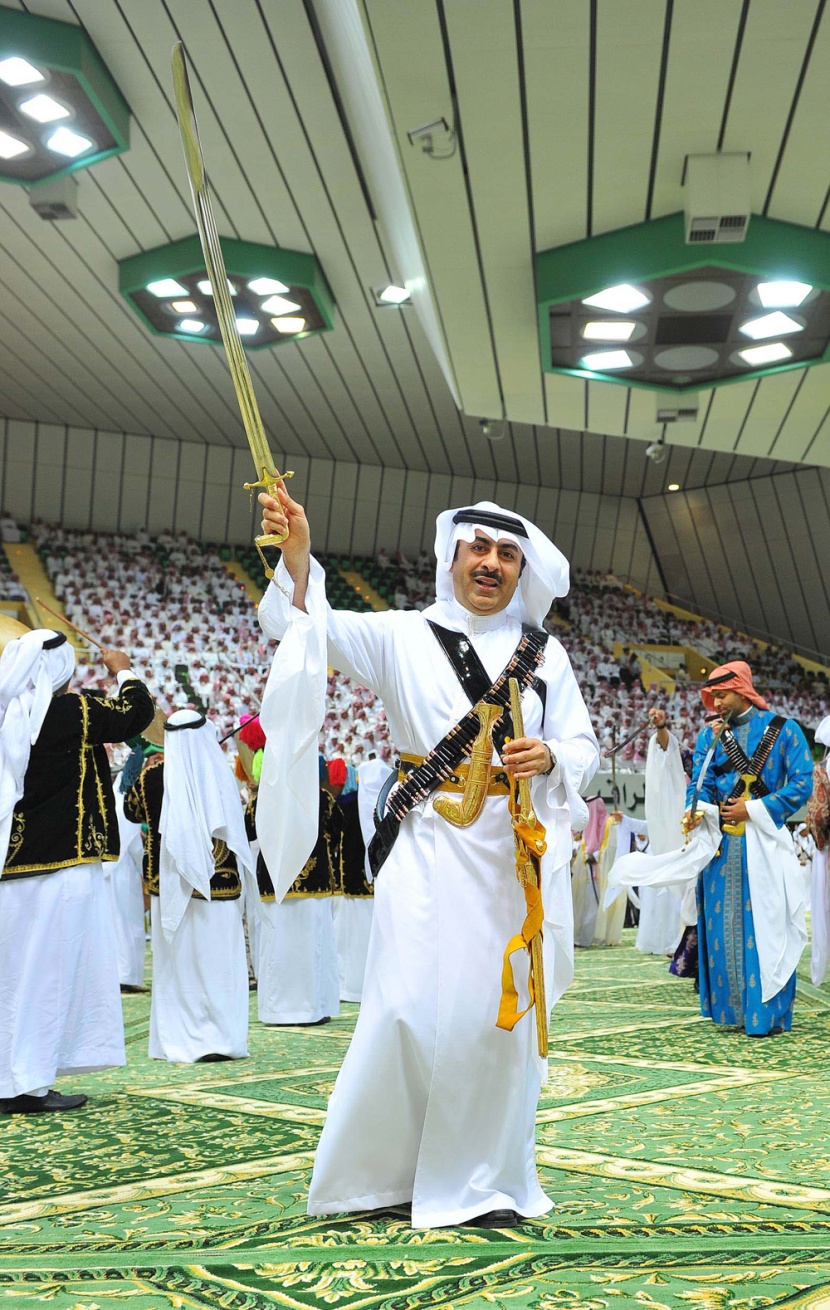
(269, 482)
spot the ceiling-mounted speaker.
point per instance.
(717, 204)
(55, 201)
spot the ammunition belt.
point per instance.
(499, 784)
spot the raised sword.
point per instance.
(268, 477)
(704, 769)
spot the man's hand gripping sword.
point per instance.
(529, 836)
(268, 477)
(690, 819)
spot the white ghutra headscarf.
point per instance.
(32, 668)
(201, 802)
(546, 574)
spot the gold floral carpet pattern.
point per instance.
(690, 1168)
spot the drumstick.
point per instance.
(73, 626)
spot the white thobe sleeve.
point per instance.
(568, 734)
(357, 643)
(665, 795)
(630, 827)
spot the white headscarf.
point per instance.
(201, 801)
(32, 668)
(546, 573)
(823, 735)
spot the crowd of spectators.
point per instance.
(169, 601)
(599, 612)
(192, 631)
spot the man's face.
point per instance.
(485, 573)
(729, 702)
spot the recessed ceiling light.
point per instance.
(267, 286)
(771, 325)
(167, 286)
(191, 325)
(43, 109)
(767, 354)
(184, 307)
(207, 290)
(393, 295)
(618, 330)
(279, 305)
(782, 295)
(11, 146)
(247, 326)
(605, 359)
(69, 143)
(674, 486)
(620, 300)
(288, 324)
(18, 72)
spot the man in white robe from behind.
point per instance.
(434, 1104)
(660, 927)
(199, 1008)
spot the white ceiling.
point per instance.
(561, 136)
(573, 118)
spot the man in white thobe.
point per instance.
(60, 1005)
(434, 1104)
(660, 927)
(197, 859)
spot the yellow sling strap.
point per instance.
(509, 1014)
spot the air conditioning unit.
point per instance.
(55, 201)
(717, 199)
(677, 409)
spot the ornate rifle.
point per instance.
(529, 836)
(268, 477)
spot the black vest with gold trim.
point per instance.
(66, 815)
(142, 804)
(321, 873)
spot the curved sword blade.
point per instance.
(215, 265)
(707, 760)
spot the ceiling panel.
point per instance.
(701, 49)
(574, 116)
(774, 50)
(556, 52)
(482, 34)
(628, 61)
(408, 44)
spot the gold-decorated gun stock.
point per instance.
(267, 476)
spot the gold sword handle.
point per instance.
(462, 811)
(269, 482)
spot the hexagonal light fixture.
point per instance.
(60, 109)
(168, 289)
(688, 310)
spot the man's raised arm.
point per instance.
(282, 514)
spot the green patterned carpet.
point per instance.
(690, 1167)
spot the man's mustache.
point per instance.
(488, 575)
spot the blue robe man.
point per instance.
(730, 976)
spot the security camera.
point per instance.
(492, 429)
(656, 452)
